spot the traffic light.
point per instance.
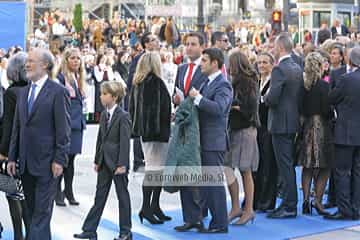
(276, 21)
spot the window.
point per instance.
(321, 17)
(345, 18)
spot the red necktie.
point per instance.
(188, 78)
(224, 72)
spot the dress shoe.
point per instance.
(337, 216)
(86, 235)
(126, 236)
(215, 230)
(282, 214)
(188, 226)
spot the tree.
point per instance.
(77, 19)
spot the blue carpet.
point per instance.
(262, 228)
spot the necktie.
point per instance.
(105, 76)
(107, 120)
(223, 71)
(204, 86)
(32, 97)
(188, 78)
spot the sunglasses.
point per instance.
(224, 40)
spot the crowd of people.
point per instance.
(218, 101)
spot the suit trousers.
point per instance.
(284, 153)
(214, 197)
(191, 204)
(39, 193)
(347, 179)
(103, 185)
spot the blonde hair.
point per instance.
(116, 89)
(150, 62)
(312, 70)
(64, 69)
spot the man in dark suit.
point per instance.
(346, 98)
(40, 140)
(189, 76)
(335, 76)
(149, 42)
(283, 100)
(214, 101)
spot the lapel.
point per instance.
(42, 96)
(114, 117)
(182, 76)
(25, 101)
(212, 86)
(196, 77)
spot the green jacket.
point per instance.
(184, 154)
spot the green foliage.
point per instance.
(77, 19)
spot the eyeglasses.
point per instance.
(224, 40)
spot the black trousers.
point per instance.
(104, 180)
(191, 204)
(347, 179)
(266, 177)
(39, 194)
(284, 153)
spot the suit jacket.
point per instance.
(335, 75)
(298, 60)
(214, 110)
(344, 31)
(284, 97)
(196, 81)
(42, 136)
(346, 98)
(113, 142)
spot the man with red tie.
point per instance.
(189, 76)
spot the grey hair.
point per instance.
(48, 58)
(16, 67)
(285, 41)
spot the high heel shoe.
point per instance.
(306, 207)
(320, 211)
(231, 218)
(240, 222)
(161, 216)
(71, 199)
(149, 217)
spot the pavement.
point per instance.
(67, 221)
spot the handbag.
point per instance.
(8, 184)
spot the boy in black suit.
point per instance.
(111, 162)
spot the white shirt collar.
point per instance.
(284, 57)
(196, 62)
(213, 76)
(40, 83)
(111, 111)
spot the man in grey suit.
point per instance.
(283, 99)
(40, 140)
(214, 101)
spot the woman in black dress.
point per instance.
(266, 176)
